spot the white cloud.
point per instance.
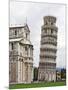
(34, 13)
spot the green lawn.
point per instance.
(34, 85)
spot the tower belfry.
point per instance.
(47, 64)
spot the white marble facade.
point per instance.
(48, 49)
(20, 55)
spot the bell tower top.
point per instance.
(49, 20)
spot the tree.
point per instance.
(63, 73)
(35, 73)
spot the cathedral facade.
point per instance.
(48, 49)
(20, 55)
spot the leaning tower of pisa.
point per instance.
(48, 49)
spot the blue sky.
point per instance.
(33, 13)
